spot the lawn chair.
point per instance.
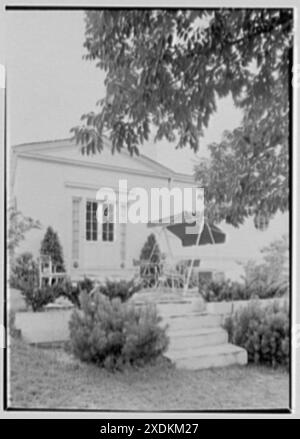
(149, 272)
(48, 274)
(170, 276)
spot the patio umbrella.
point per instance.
(210, 234)
(191, 233)
(188, 232)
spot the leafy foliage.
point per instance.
(228, 290)
(151, 251)
(112, 289)
(271, 276)
(166, 69)
(38, 297)
(244, 178)
(24, 271)
(265, 279)
(113, 334)
(263, 332)
(223, 291)
(51, 246)
(150, 254)
(121, 289)
(25, 277)
(18, 226)
(72, 290)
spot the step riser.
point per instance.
(191, 322)
(178, 314)
(181, 343)
(179, 311)
(206, 362)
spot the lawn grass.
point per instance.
(41, 378)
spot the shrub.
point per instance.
(18, 226)
(25, 277)
(260, 283)
(72, 291)
(37, 298)
(224, 291)
(112, 289)
(51, 246)
(151, 254)
(151, 251)
(263, 332)
(24, 272)
(270, 277)
(228, 290)
(113, 334)
(122, 289)
(86, 284)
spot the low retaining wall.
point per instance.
(226, 308)
(52, 326)
(44, 327)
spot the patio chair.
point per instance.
(48, 272)
(185, 265)
(146, 271)
(149, 272)
(170, 276)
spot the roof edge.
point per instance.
(37, 145)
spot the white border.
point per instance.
(295, 213)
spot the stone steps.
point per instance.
(180, 340)
(197, 339)
(178, 310)
(192, 321)
(205, 357)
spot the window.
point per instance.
(108, 227)
(91, 221)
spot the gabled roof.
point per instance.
(41, 148)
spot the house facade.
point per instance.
(54, 183)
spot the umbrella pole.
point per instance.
(186, 286)
(211, 235)
(168, 242)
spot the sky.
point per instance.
(49, 86)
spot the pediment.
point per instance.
(68, 150)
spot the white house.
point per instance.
(54, 183)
